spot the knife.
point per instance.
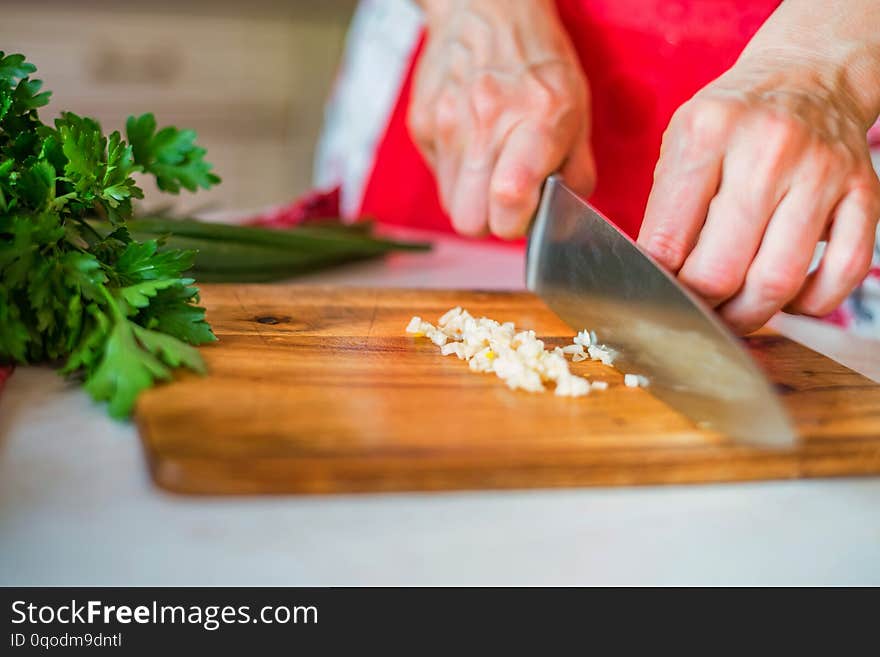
(595, 277)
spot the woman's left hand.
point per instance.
(754, 171)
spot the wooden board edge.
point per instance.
(194, 476)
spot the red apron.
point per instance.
(643, 59)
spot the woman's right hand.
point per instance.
(499, 103)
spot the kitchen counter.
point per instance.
(77, 506)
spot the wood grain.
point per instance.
(318, 390)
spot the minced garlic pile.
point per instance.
(518, 358)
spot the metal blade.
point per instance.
(594, 276)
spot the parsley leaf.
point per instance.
(119, 313)
(169, 154)
(124, 372)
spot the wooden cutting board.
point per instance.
(319, 390)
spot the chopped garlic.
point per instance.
(572, 386)
(520, 359)
(453, 348)
(584, 338)
(602, 353)
(437, 337)
(635, 381)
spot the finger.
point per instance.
(446, 174)
(447, 145)
(420, 117)
(847, 257)
(686, 178)
(470, 198)
(783, 259)
(420, 124)
(486, 126)
(579, 170)
(527, 157)
(737, 217)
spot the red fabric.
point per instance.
(874, 135)
(5, 373)
(316, 204)
(643, 60)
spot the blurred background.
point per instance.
(251, 78)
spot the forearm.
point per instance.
(837, 45)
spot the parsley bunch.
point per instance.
(114, 311)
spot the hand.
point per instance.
(753, 172)
(499, 102)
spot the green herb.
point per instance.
(228, 253)
(117, 312)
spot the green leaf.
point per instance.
(171, 155)
(14, 335)
(43, 294)
(83, 145)
(84, 273)
(170, 350)
(140, 261)
(173, 311)
(138, 295)
(120, 312)
(27, 95)
(13, 67)
(139, 132)
(86, 353)
(118, 185)
(52, 150)
(36, 185)
(74, 321)
(124, 372)
(134, 359)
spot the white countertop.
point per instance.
(77, 505)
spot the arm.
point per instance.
(499, 102)
(771, 158)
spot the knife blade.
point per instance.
(594, 276)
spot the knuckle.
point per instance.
(667, 245)
(817, 172)
(715, 282)
(486, 100)
(446, 112)
(544, 100)
(779, 129)
(551, 105)
(855, 267)
(816, 307)
(704, 121)
(779, 137)
(777, 285)
(866, 195)
(741, 206)
(513, 188)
